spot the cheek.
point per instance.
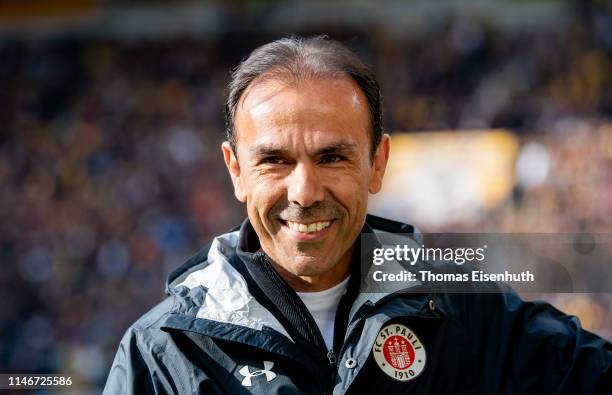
(262, 194)
(351, 192)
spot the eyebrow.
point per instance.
(341, 147)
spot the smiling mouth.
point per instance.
(307, 228)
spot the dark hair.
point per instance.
(297, 59)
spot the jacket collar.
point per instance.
(214, 290)
(209, 287)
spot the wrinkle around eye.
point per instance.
(271, 168)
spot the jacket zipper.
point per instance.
(325, 355)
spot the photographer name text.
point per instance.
(474, 276)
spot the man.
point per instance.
(279, 305)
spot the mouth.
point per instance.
(312, 231)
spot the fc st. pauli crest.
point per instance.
(399, 353)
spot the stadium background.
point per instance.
(111, 120)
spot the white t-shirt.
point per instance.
(323, 305)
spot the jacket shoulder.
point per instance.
(136, 360)
(151, 317)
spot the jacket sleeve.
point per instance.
(541, 349)
(129, 374)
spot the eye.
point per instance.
(272, 160)
(332, 158)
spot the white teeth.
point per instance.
(313, 227)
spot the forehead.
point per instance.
(322, 108)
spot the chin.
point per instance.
(310, 268)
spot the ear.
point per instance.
(380, 164)
(231, 162)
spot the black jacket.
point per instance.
(232, 325)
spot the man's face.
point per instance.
(303, 168)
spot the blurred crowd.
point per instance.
(111, 173)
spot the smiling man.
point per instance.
(278, 305)
(303, 161)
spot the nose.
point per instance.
(304, 186)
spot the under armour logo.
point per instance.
(267, 370)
